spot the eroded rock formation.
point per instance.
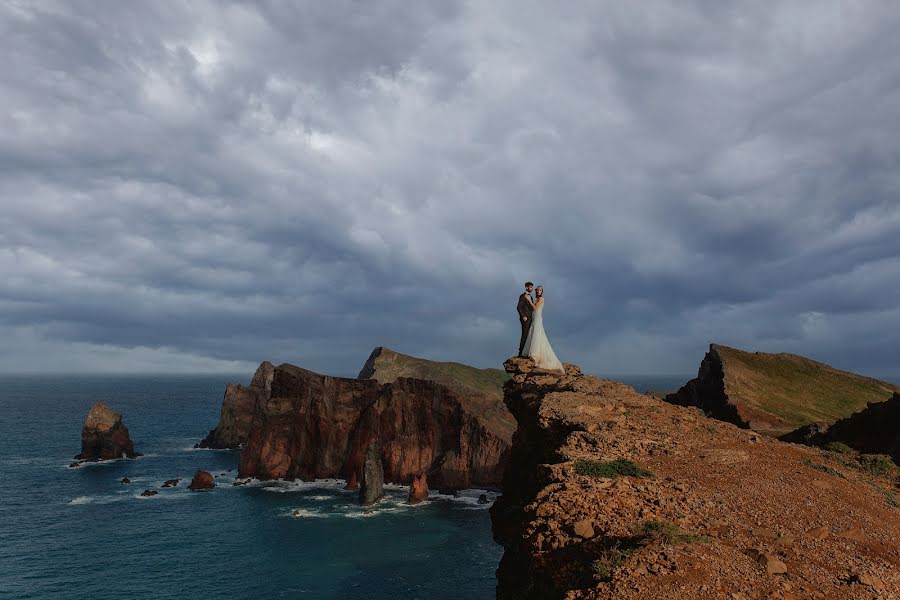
(418, 489)
(612, 494)
(371, 485)
(238, 407)
(104, 436)
(315, 426)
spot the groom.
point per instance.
(524, 309)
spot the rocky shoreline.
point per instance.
(613, 494)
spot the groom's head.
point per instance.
(529, 286)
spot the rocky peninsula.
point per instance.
(613, 494)
(315, 426)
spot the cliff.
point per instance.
(315, 426)
(776, 392)
(873, 430)
(238, 407)
(104, 436)
(612, 494)
(480, 389)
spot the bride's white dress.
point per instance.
(537, 346)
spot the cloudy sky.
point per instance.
(198, 188)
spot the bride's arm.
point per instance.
(538, 303)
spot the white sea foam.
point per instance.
(81, 500)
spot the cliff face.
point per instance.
(775, 392)
(238, 407)
(316, 426)
(104, 436)
(612, 494)
(874, 430)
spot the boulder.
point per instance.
(483, 499)
(104, 436)
(147, 493)
(371, 487)
(168, 483)
(203, 480)
(126, 480)
(418, 490)
(352, 481)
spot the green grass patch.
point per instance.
(892, 499)
(604, 567)
(620, 467)
(823, 468)
(879, 465)
(839, 447)
(663, 532)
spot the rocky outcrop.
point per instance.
(418, 489)
(612, 494)
(873, 430)
(104, 436)
(775, 393)
(371, 486)
(202, 480)
(237, 410)
(315, 426)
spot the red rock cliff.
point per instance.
(238, 406)
(316, 426)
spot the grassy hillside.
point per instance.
(797, 390)
(481, 390)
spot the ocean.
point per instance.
(80, 533)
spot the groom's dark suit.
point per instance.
(524, 309)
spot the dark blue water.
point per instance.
(80, 533)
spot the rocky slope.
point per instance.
(238, 406)
(104, 436)
(873, 430)
(315, 426)
(776, 393)
(613, 494)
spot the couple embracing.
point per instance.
(534, 343)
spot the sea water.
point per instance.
(80, 533)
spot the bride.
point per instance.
(537, 346)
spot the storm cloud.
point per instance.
(202, 186)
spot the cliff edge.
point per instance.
(612, 494)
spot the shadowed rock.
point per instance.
(371, 486)
(104, 436)
(238, 407)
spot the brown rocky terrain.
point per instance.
(776, 393)
(238, 406)
(104, 436)
(613, 494)
(873, 430)
(315, 426)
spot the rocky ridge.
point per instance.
(613, 494)
(315, 426)
(776, 393)
(873, 430)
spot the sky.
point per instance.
(197, 187)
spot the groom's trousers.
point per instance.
(526, 327)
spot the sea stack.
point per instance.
(418, 489)
(104, 436)
(371, 488)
